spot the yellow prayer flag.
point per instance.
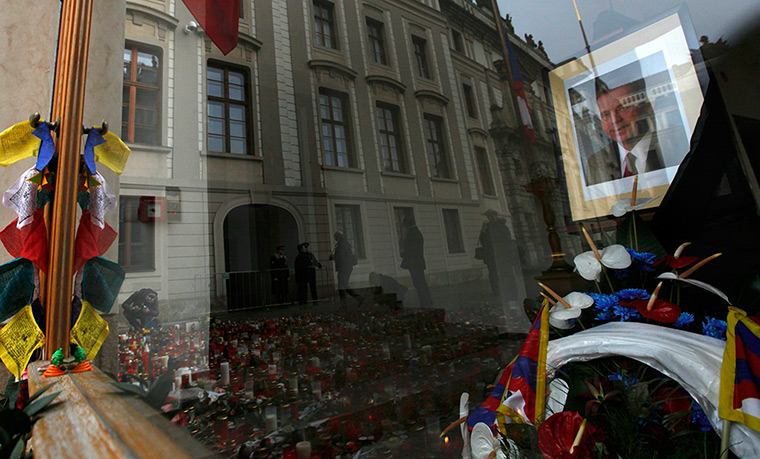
(112, 154)
(90, 331)
(17, 142)
(18, 340)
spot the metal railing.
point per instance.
(255, 289)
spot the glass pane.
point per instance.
(147, 98)
(214, 74)
(237, 112)
(148, 136)
(147, 75)
(216, 109)
(146, 117)
(237, 146)
(236, 78)
(237, 129)
(442, 303)
(215, 126)
(215, 89)
(215, 143)
(236, 92)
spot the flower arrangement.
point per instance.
(617, 406)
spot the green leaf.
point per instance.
(39, 392)
(18, 450)
(11, 391)
(15, 422)
(160, 390)
(131, 388)
(5, 439)
(34, 408)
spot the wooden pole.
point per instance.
(68, 104)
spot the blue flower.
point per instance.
(605, 315)
(621, 274)
(642, 260)
(625, 313)
(603, 305)
(684, 319)
(715, 328)
(630, 294)
(699, 418)
(626, 380)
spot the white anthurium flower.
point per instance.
(613, 257)
(562, 317)
(696, 283)
(464, 410)
(482, 441)
(623, 206)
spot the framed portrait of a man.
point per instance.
(626, 110)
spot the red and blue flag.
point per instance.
(519, 92)
(515, 391)
(740, 373)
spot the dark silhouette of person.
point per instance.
(279, 272)
(306, 266)
(345, 260)
(499, 253)
(141, 309)
(413, 258)
(628, 120)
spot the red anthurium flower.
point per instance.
(674, 400)
(679, 262)
(662, 311)
(558, 433)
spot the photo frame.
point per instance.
(630, 104)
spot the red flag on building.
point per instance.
(219, 20)
(519, 91)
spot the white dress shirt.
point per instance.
(640, 151)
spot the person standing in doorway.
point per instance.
(278, 271)
(306, 266)
(345, 260)
(499, 254)
(413, 258)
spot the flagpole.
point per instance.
(68, 104)
(725, 439)
(507, 63)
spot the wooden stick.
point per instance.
(551, 300)
(591, 243)
(680, 248)
(557, 297)
(691, 270)
(653, 298)
(635, 189)
(453, 424)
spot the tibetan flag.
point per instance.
(18, 340)
(29, 242)
(18, 142)
(90, 331)
(740, 373)
(112, 153)
(91, 241)
(219, 20)
(518, 89)
(515, 393)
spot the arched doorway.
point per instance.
(251, 233)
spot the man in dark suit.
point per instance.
(413, 258)
(628, 120)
